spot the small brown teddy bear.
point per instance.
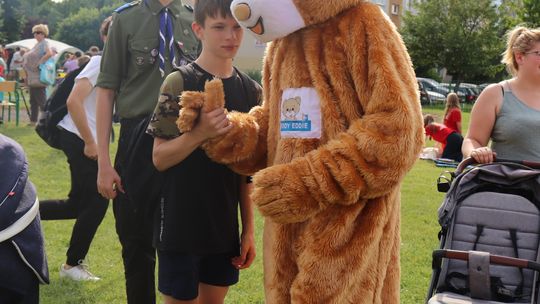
(212, 98)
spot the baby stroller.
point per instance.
(490, 235)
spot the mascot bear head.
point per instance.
(265, 19)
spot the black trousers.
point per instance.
(134, 230)
(38, 96)
(452, 150)
(84, 203)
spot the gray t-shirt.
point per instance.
(515, 134)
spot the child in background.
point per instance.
(450, 139)
(452, 114)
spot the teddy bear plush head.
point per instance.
(270, 20)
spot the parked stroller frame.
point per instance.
(489, 217)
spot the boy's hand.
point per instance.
(247, 252)
(212, 124)
(108, 182)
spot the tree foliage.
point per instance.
(509, 12)
(530, 13)
(459, 35)
(11, 20)
(82, 28)
(17, 17)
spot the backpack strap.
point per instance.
(177, 85)
(188, 79)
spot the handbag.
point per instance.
(47, 72)
(31, 65)
(32, 80)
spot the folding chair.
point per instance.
(9, 89)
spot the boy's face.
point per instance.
(221, 36)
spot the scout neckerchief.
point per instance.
(165, 39)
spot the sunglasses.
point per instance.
(38, 33)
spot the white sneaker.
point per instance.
(77, 273)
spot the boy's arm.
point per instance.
(169, 152)
(247, 241)
(75, 104)
(170, 146)
(112, 69)
(108, 179)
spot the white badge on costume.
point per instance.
(300, 113)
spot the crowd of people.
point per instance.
(14, 60)
(200, 254)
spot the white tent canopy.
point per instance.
(29, 43)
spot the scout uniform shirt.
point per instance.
(130, 63)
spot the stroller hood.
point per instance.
(502, 175)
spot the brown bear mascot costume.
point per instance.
(339, 127)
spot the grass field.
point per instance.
(50, 174)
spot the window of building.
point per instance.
(395, 9)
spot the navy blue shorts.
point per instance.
(179, 274)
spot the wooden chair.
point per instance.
(10, 99)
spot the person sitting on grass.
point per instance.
(450, 139)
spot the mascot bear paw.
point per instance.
(281, 192)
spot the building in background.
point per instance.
(394, 8)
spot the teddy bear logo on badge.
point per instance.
(291, 107)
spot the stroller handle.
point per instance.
(471, 161)
(494, 259)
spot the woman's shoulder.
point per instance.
(491, 98)
(499, 87)
(493, 91)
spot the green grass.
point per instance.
(50, 174)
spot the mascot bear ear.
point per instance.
(270, 20)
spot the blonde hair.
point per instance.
(41, 28)
(520, 39)
(452, 101)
